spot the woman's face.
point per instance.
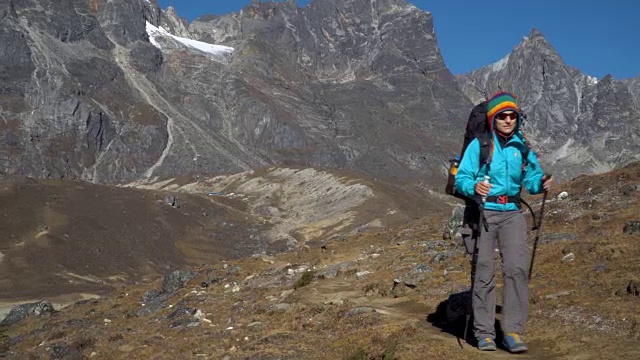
(506, 122)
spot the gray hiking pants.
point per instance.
(508, 230)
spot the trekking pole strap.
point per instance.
(533, 215)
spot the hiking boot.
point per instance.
(514, 343)
(486, 344)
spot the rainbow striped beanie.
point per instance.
(501, 101)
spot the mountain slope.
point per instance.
(349, 84)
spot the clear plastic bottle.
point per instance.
(486, 181)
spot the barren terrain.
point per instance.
(376, 294)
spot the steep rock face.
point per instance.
(67, 111)
(577, 123)
(354, 84)
(361, 81)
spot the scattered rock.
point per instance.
(286, 293)
(234, 270)
(21, 312)
(633, 288)
(440, 257)
(413, 278)
(554, 237)
(563, 195)
(177, 279)
(362, 274)
(600, 267)
(62, 351)
(558, 295)
(155, 300)
(433, 245)
(631, 227)
(568, 257)
(421, 269)
(334, 270)
(256, 326)
(186, 322)
(181, 309)
(454, 223)
(359, 310)
(172, 200)
(282, 307)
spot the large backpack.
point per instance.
(477, 129)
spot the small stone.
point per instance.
(362, 274)
(257, 325)
(359, 310)
(633, 288)
(440, 257)
(631, 227)
(421, 269)
(563, 195)
(568, 257)
(286, 293)
(282, 307)
(600, 267)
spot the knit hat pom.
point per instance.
(501, 101)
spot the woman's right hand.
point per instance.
(482, 188)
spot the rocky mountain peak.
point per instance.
(535, 44)
(173, 23)
(535, 33)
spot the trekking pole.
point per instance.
(538, 230)
(482, 222)
(469, 310)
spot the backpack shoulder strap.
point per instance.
(527, 149)
(486, 145)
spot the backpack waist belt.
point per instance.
(504, 199)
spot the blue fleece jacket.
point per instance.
(505, 170)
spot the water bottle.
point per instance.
(451, 179)
(486, 181)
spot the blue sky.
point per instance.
(598, 37)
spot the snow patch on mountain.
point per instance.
(163, 40)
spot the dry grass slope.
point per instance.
(374, 295)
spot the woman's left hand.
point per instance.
(547, 181)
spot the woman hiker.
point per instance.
(505, 225)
